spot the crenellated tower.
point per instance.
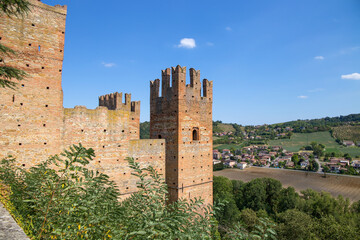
(182, 115)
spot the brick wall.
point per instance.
(183, 117)
(31, 116)
(33, 122)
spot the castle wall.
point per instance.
(33, 122)
(175, 115)
(31, 115)
(108, 133)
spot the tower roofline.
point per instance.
(178, 88)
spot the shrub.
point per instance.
(61, 198)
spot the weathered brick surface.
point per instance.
(183, 117)
(29, 119)
(33, 122)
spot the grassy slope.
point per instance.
(226, 127)
(301, 139)
(347, 132)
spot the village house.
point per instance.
(356, 164)
(237, 157)
(273, 154)
(242, 165)
(348, 143)
(290, 164)
(216, 154)
(304, 164)
(226, 151)
(216, 161)
(230, 163)
(337, 164)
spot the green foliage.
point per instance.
(264, 229)
(60, 198)
(145, 130)
(294, 224)
(218, 167)
(223, 192)
(14, 7)
(310, 215)
(347, 132)
(322, 124)
(8, 74)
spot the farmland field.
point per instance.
(301, 139)
(347, 186)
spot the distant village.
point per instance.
(277, 157)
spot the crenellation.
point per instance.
(113, 101)
(35, 125)
(135, 106)
(127, 100)
(165, 80)
(208, 89)
(154, 88)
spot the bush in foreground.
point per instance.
(61, 198)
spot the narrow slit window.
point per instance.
(39, 48)
(195, 134)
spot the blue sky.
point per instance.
(271, 61)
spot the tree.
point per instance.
(347, 156)
(223, 193)
(11, 8)
(288, 199)
(295, 159)
(294, 224)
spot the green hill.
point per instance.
(299, 140)
(347, 132)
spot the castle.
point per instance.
(34, 124)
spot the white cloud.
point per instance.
(108, 65)
(228, 29)
(187, 43)
(302, 97)
(210, 44)
(319, 58)
(353, 76)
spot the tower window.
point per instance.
(39, 48)
(195, 134)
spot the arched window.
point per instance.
(159, 136)
(195, 134)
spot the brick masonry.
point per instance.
(34, 124)
(183, 117)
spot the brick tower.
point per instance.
(183, 117)
(31, 116)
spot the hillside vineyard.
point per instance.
(34, 124)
